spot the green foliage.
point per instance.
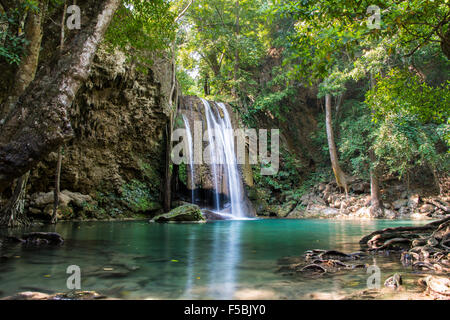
(182, 174)
(12, 37)
(141, 28)
(356, 138)
(404, 143)
(216, 49)
(330, 29)
(138, 197)
(287, 178)
(405, 94)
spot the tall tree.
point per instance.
(340, 176)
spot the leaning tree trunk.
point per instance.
(40, 123)
(341, 179)
(13, 212)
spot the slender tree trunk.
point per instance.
(206, 86)
(167, 172)
(235, 90)
(40, 123)
(376, 205)
(57, 187)
(341, 179)
(58, 164)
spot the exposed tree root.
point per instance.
(12, 214)
(437, 287)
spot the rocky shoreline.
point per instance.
(327, 201)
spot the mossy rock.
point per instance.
(185, 213)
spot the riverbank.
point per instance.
(327, 201)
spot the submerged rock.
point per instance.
(214, 216)
(394, 282)
(79, 295)
(185, 213)
(37, 239)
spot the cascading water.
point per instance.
(221, 141)
(191, 155)
(234, 183)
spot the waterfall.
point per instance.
(221, 140)
(191, 154)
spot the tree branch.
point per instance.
(182, 13)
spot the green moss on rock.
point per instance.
(185, 213)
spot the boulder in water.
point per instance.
(214, 216)
(185, 213)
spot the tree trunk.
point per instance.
(39, 123)
(236, 54)
(341, 179)
(376, 205)
(167, 172)
(13, 213)
(57, 188)
(58, 164)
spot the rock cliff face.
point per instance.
(119, 119)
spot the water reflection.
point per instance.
(211, 261)
(224, 261)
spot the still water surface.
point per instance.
(219, 260)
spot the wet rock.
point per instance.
(394, 282)
(186, 213)
(39, 238)
(313, 268)
(213, 216)
(335, 255)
